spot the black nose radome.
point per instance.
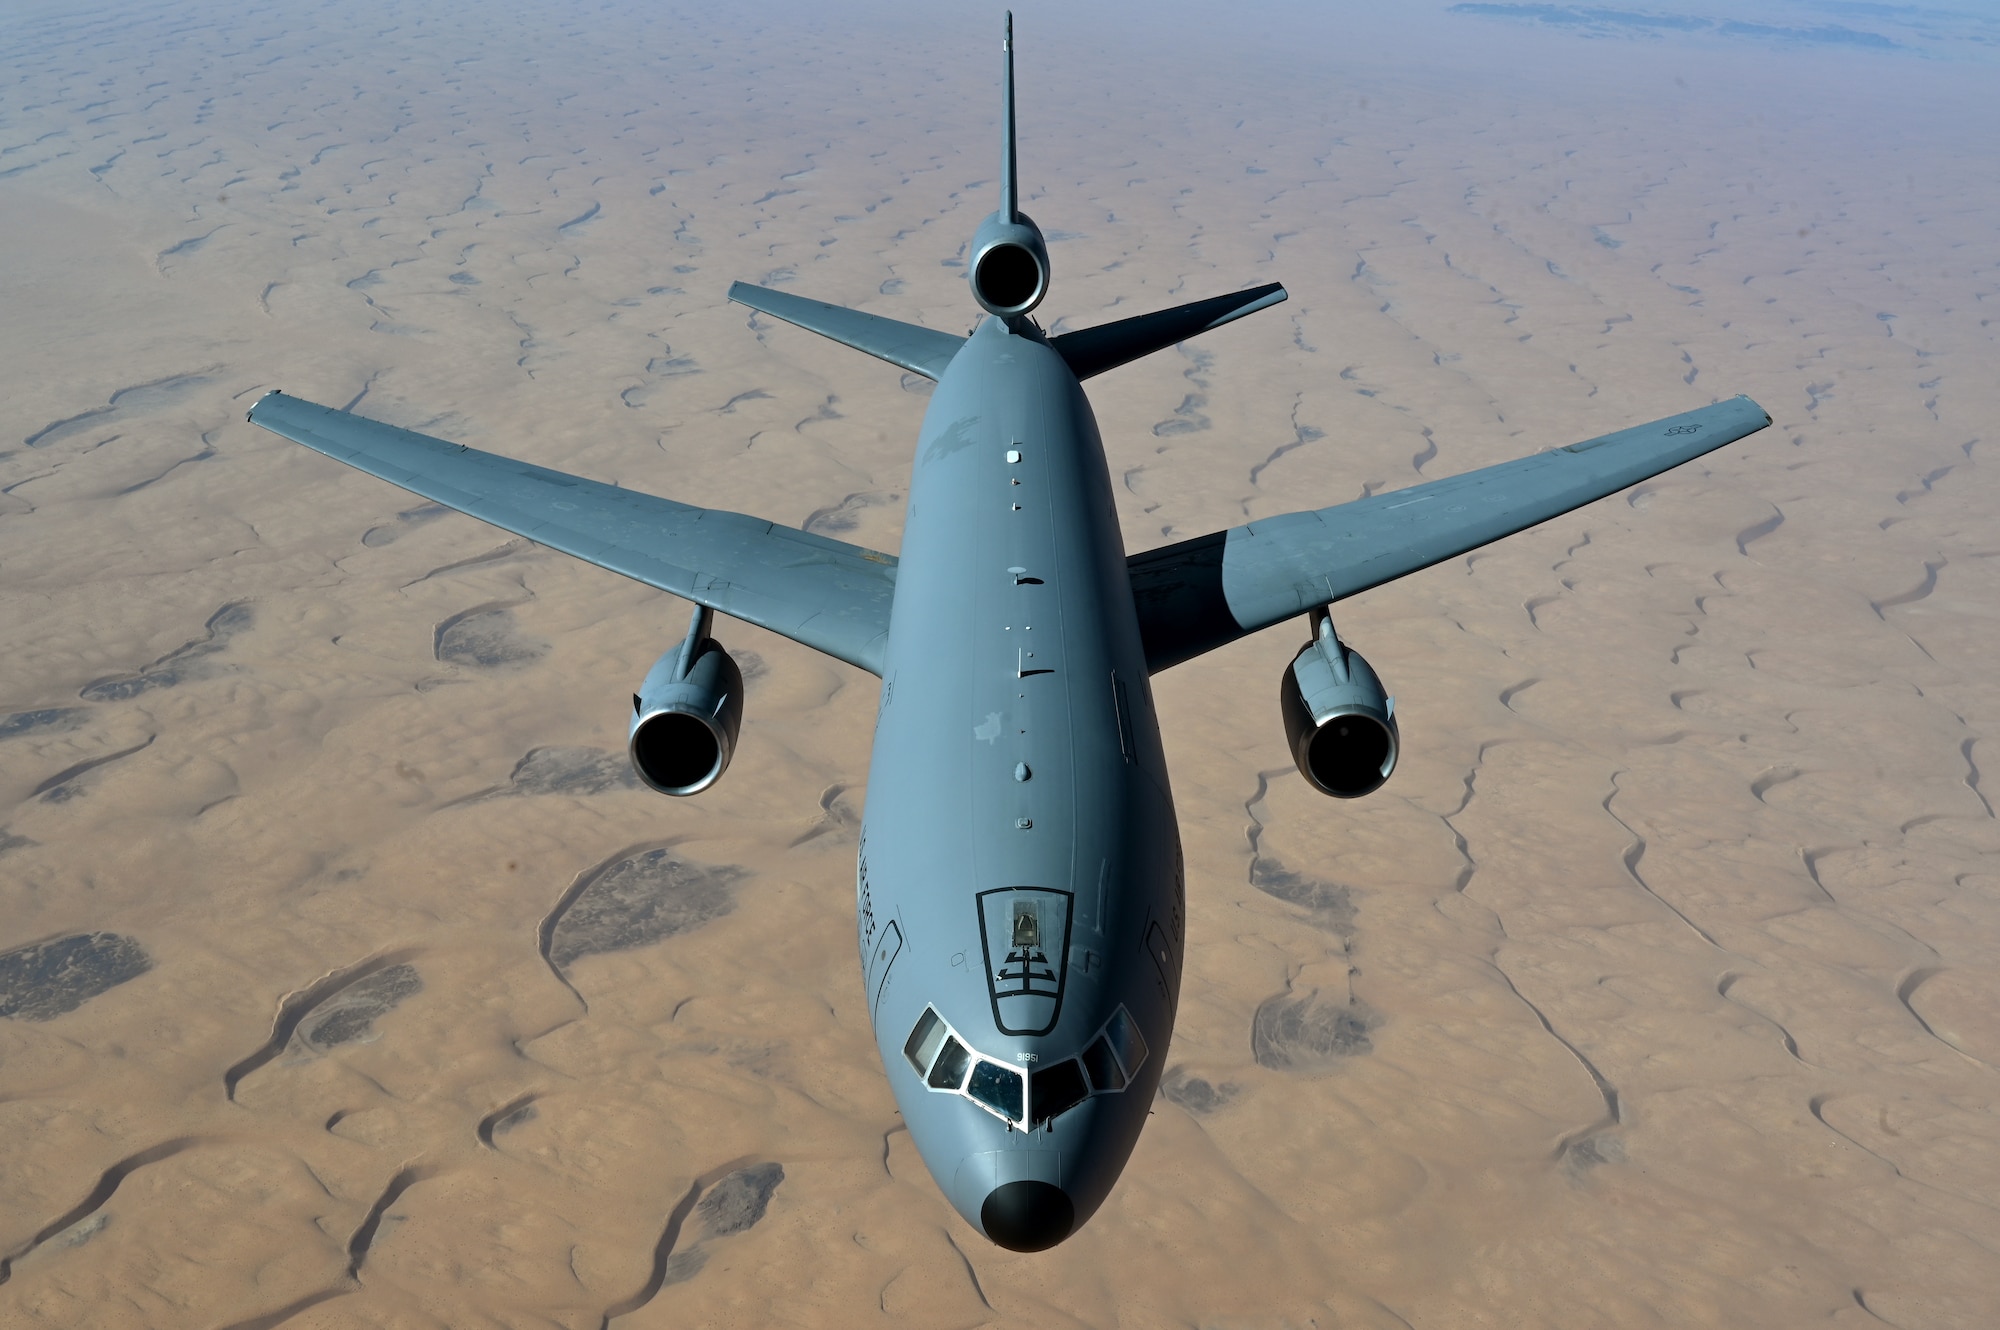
(1027, 1216)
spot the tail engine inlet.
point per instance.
(686, 714)
(1010, 265)
(1341, 725)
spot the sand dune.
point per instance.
(348, 979)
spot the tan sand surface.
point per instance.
(349, 980)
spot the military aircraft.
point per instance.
(1020, 889)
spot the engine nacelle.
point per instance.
(1341, 725)
(1009, 271)
(686, 714)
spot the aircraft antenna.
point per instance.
(1009, 194)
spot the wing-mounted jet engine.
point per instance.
(1341, 724)
(686, 714)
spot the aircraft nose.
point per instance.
(1027, 1216)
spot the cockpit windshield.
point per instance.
(1031, 1096)
(997, 1087)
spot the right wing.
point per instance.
(826, 594)
(919, 350)
(1203, 593)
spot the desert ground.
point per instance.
(349, 979)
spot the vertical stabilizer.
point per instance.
(1010, 197)
(1009, 270)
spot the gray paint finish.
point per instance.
(1202, 593)
(989, 671)
(1019, 886)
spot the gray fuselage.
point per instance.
(1020, 871)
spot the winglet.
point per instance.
(1010, 197)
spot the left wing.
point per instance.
(1203, 593)
(829, 595)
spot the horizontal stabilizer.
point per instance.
(916, 349)
(1203, 593)
(1093, 350)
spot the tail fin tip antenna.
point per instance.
(1009, 191)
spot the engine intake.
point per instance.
(686, 714)
(1010, 266)
(1341, 725)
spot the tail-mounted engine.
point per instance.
(1009, 270)
(1010, 265)
(686, 714)
(1341, 725)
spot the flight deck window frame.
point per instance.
(947, 1063)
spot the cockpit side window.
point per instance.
(949, 1073)
(1055, 1090)
(1126, 1042)
(1103, 1068)
(925, 1041)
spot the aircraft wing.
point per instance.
(1203, 593)
(829, 595)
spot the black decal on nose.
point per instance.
(1027, 1216)
(1026, 935)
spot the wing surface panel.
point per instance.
(1203, 593)
(826, 594)
(917, 349)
